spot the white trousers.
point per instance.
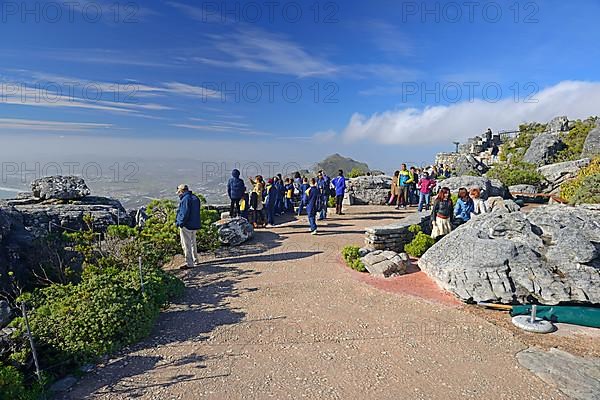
(188, 244)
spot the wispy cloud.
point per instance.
(185, 89)
(55, 126)
(388, 38)
(439, 124)
(215, 126)
(257, 50)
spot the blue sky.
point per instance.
(380, 81)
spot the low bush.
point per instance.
(520, 173)
(574, 140)
(419, 245)
(331, 202)
(585, 188)
(415, 229)
(12, 385)
(356, 172)
(352, 258)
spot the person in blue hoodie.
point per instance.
(270, 203)
(280, 194)
(303, 188)
(324, 185)
(464, 207)
(339, 183)
(313, 199)
(235, 190)
(188, 221)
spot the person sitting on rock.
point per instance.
(312, 205)
(479, 206)
(441, 215)
(235, 190)
(464, 207)
(188, 221)
(339, 184)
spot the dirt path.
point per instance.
(282, 318)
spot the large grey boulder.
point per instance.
(550, 255)
(5, 313)
(501, 205)
(467, 164)
(542, 149)
(556, 174)
(235, 231)
(524, 189)
(59, 188)
(559, 124)
(372, 190)
(385, 263)
(489, 187)
(591, 147)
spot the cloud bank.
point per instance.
(440, 124)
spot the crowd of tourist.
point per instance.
(274, 197)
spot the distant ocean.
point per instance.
(9, 193)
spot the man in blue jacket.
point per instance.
(339, 183)
(313, 198)
(235, 190)
(188, 222)
(323, 183)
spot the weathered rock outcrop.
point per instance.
(372, 190)
(489, 187)
(501, 205)
(559, 124)
(543, 148)
(385, 263)
(60, 188)
(551, 255)
(233, 232)
(556, 174)
(394, 237)
(591, 147)
(467, 164)
(525, 189)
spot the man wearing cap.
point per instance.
(188, 222)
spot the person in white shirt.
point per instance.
(479, 205)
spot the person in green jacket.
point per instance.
(403, 186)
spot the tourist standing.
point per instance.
(395, 190)
(339, 183)
(235, 191)
(441, 215)
(494, 152)
(413, 178)
(289, 196)
(312, 205)
(479, 206)
(403, 187)
(303, 188)
(256, 201)
(464, 207)
(280, 194)
(188, 222)
(271, 202)
(324, 185)
(426, 185)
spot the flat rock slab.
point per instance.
(575, 376)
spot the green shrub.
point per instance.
(419, 245)
(574, 140)
(12, 385)
(520, 173)
(515, 149)
(356, 172)
(121, 231)
(415, 229)
(584, 188)
(352, 258)
(107, 310)
(331, 202)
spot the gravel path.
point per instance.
(281, 318)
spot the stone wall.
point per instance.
(449, 159)
(393, 237)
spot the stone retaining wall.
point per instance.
(394, 237)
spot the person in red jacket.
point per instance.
(425, 185)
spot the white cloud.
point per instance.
(55, 126)
(440, 124)
(190, 90)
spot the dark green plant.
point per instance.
(331, 202)
(520, 173)
(356, 172)
(574, 140)
(352, 258)
(419, 245)
(12, 385)
(414, 229)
